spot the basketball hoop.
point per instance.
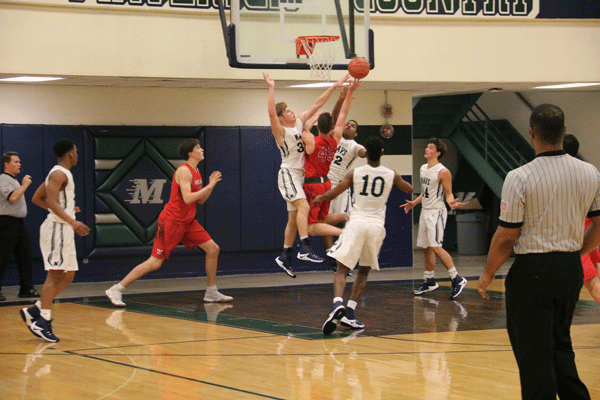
(321, 60)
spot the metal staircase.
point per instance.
(492, 148)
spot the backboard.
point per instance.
(263, 33)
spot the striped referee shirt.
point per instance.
(549, 198)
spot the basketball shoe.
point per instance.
(338, 311)
(114, 295)
(42, 328)
(306, 254)
(429, 285)
(350, 320)
(29, 315)
(284, 263)
(214, 296)
(458, 284)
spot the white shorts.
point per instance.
(290, 183)
(360, 243)
(342, 203)
(431, 227)
(57, 242)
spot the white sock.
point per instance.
(212, 288)
(428, 275)
(119, 287)
(336, 299)
(452, 272)
(352, 304)
(46, 314)
(38, 304)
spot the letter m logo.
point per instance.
(142, 194)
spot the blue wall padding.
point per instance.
(245, 214)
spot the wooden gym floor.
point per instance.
(267, 344)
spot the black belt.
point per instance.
(322, 179)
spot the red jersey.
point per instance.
(176, 210)
(594, 254)
(316, 165)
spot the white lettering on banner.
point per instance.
(389, 8)
(142, 194)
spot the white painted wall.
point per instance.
(129, 41)
(582, 115)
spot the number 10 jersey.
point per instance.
(372, 187)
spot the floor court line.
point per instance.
(176, 376)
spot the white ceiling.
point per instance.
(418, 88)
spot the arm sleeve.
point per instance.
(595, 207)
(512, 205)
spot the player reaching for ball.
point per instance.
(287, 131)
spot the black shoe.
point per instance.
(2, 298)
(28, 293)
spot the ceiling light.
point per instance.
(30, 79)
(568, 86)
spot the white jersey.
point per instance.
(372, 187)
(66, 197)
(292, 151)
(432, 192)
(346, 153)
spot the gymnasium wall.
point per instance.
(245, 214)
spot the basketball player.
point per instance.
(591, 261)
(364, 232)
(177, 223)
(542, 212)
(287, 131)
(347, 151)
(436, 185)
(319, 156)
(57, 238)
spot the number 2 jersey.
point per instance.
(432, 192)
(346, 153)
(372, 187)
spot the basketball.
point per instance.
(359, 67)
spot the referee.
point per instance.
(14, 238)
(542, 212)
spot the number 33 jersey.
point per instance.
(292, 151)
(431, 187)
(372, 187)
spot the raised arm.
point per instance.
(16, 195)
(338, 105)
(184, 180)
(338, 130)
(307, 137)
(276, 127)
(321, 100)
(402, 184)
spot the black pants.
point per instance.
(14, 239)
(541, 293)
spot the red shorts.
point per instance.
(589, 269)
(170, 234)
(319, 212)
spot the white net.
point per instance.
(321, 54)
